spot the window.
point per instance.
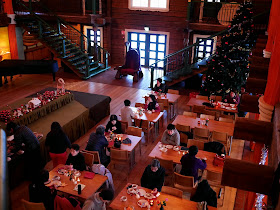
(149, 5)
(205, 48)
(90, 35)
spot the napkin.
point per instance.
(82, 187)
(89, 175)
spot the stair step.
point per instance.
(76, 58)
(79, 62)
(55, 38)
(67, 46)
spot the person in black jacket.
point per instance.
(57, 142)
(98, 142)
(114, 125)
(76, 158)
(160, 87)
(153, 176)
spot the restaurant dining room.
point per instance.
(139, 104)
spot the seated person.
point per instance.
(151, 104)
(232, 98)
(76, 159)
(153, 176)
(171, 136)
(98, 142)
(242, 92)
(98, 200)
(160, 87)
(205, 193)
(191, 164)
(39, 193)
(127, 113)
(114, 125)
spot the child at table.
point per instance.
(151, 104)
(76, 159)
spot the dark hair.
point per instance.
(75, 147)
(113, 117)
(11, 125)
(160, 80)
(127, 102)
(152, 105)
(107, 194)
(41, 176)
(193, 150)
(155, 163)
(170, 127)
(100, 130)
(153, 98)
(55, 127)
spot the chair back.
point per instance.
(119, 155)
(172, 191)
(201, 133)
(183, 128)
(214, 177)
(164, 101)
(198, 143)
(89, 158)
(139, 105)
(32, 206)
(184, 181)
(205, 116)
(198, 109)
(190, 114)
(222, 119)
(173, 91)
(183, 138)
(166, 164)
(161, 106)
(216, 98)
(124, 126)
(96, 159)
(144, 124)
(134, 131)
(202, 97)
(219, 137)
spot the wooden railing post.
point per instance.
(106, 59)
(152, 77)
(63, 48)
(58, 26)
(87, 68)
(82, 42)
(89, 47)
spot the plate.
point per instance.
(143, 203)
(149, 196)
(131, 191)
(56, 178)
(123, 198)
(142, 192)
(77, 173)
(228, 108)
(176, 148)
(169, 146)
(61, 171)
(56, 182)
(163, 149)
(134, 186)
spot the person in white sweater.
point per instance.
(171, 136)
(127, 113)
(97, 201)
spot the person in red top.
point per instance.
(151, 104)
(232, 98)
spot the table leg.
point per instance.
(132, 159)
(230, 145)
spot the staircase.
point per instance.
(72, 52)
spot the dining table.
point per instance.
(67, 186)
(176, 156)
(172, 202)
(135, 141)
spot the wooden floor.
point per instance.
(118, 90)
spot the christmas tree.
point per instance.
(228, 69)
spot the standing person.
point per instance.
(127, 113)
(76, 159)
(153, 176)
(57, 142)
(242, 92)
(98, 200)
(151, 104)
(114, 125)
(160, 87)
(98, 142)
(191, 164)
(32, 155)
(171, 136)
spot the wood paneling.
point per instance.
(38, 53)
(65, 6)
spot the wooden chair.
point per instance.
(166, 106)
(167, 165)
(222, 138)
(124, 126)
(174, 91)
(184, 183)
(146, 127)
(161, 106)
(134, 131)
(172, 191)
(190, 114)
(201, 134)
(89, 158)
(202, 97)
(120, 157)
(214, 179)
(198, 143)
(96, 159)
(139, 105)
(183, 136)
(205, 116)
(183, 139)
(32, 206)
(216, 98)
(198, 109)
(222, 119)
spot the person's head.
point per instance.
(55, 126)
(242, 90)
(232, 94)
(155, 165)
(75, 149)
(106, 195)
(41, 177)
(193, 150)
(152, 98)
(113, 119)
(100, 130)
(127, 102)
(159, 81)
(11, 126)
(170, 129)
